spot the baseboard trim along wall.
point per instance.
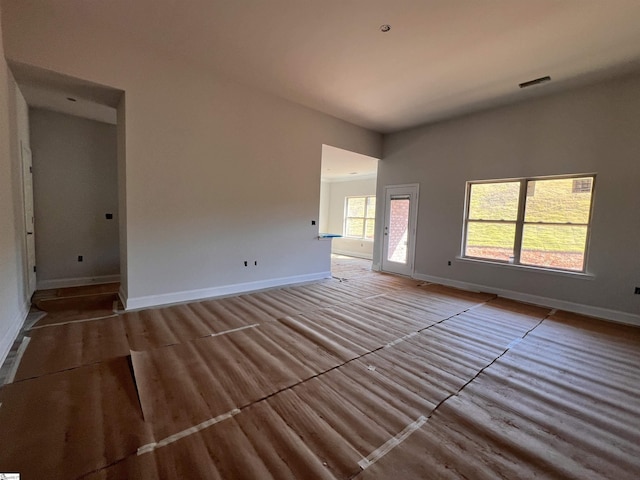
(204, 293)
(10, 335)
(604, 313)
(349, 253)
(76, 282)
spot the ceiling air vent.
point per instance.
(531, 83)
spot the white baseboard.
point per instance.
(123, 297)
(76, 282)
(201, 294)
(349, 253)
(592, 311)
(6, 342)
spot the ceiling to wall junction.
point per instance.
(439, 59)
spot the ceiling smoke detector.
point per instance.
(385, 28)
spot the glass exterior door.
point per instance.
(399, 229)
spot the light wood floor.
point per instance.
(361, 376)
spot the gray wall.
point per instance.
(591, 129)
(323, 216)
(75, 185)
(215, 173)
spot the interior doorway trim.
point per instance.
(26, 164)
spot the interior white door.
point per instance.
(27, 180)
(399, 230)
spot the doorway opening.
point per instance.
(348, 205)
(73, 176)
(29, 216)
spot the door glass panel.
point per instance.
(398, 230)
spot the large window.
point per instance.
(360, 217)
(541, 222)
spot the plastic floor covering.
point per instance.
(364, 376)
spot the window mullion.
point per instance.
(522, 199)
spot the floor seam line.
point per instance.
(80, 320)
(351, 360)
(267, 397)
(509, 347)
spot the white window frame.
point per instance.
(364, 222)
(520, 221)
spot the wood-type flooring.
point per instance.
(362, 376)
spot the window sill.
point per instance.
(356, 239)
(528, 268)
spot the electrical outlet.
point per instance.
(256, 263)
(246, 263)
(449, 263)
(80, 258)
(313, 222)
(637, 291)
(109, 216)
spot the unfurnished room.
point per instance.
(289, 239)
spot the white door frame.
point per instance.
(412, 190)
(29, 231)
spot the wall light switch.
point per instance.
(313, 222)
(108, 216)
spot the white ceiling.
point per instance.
(440, 58)
(61, 93)
(339, 164)
(51, 99)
